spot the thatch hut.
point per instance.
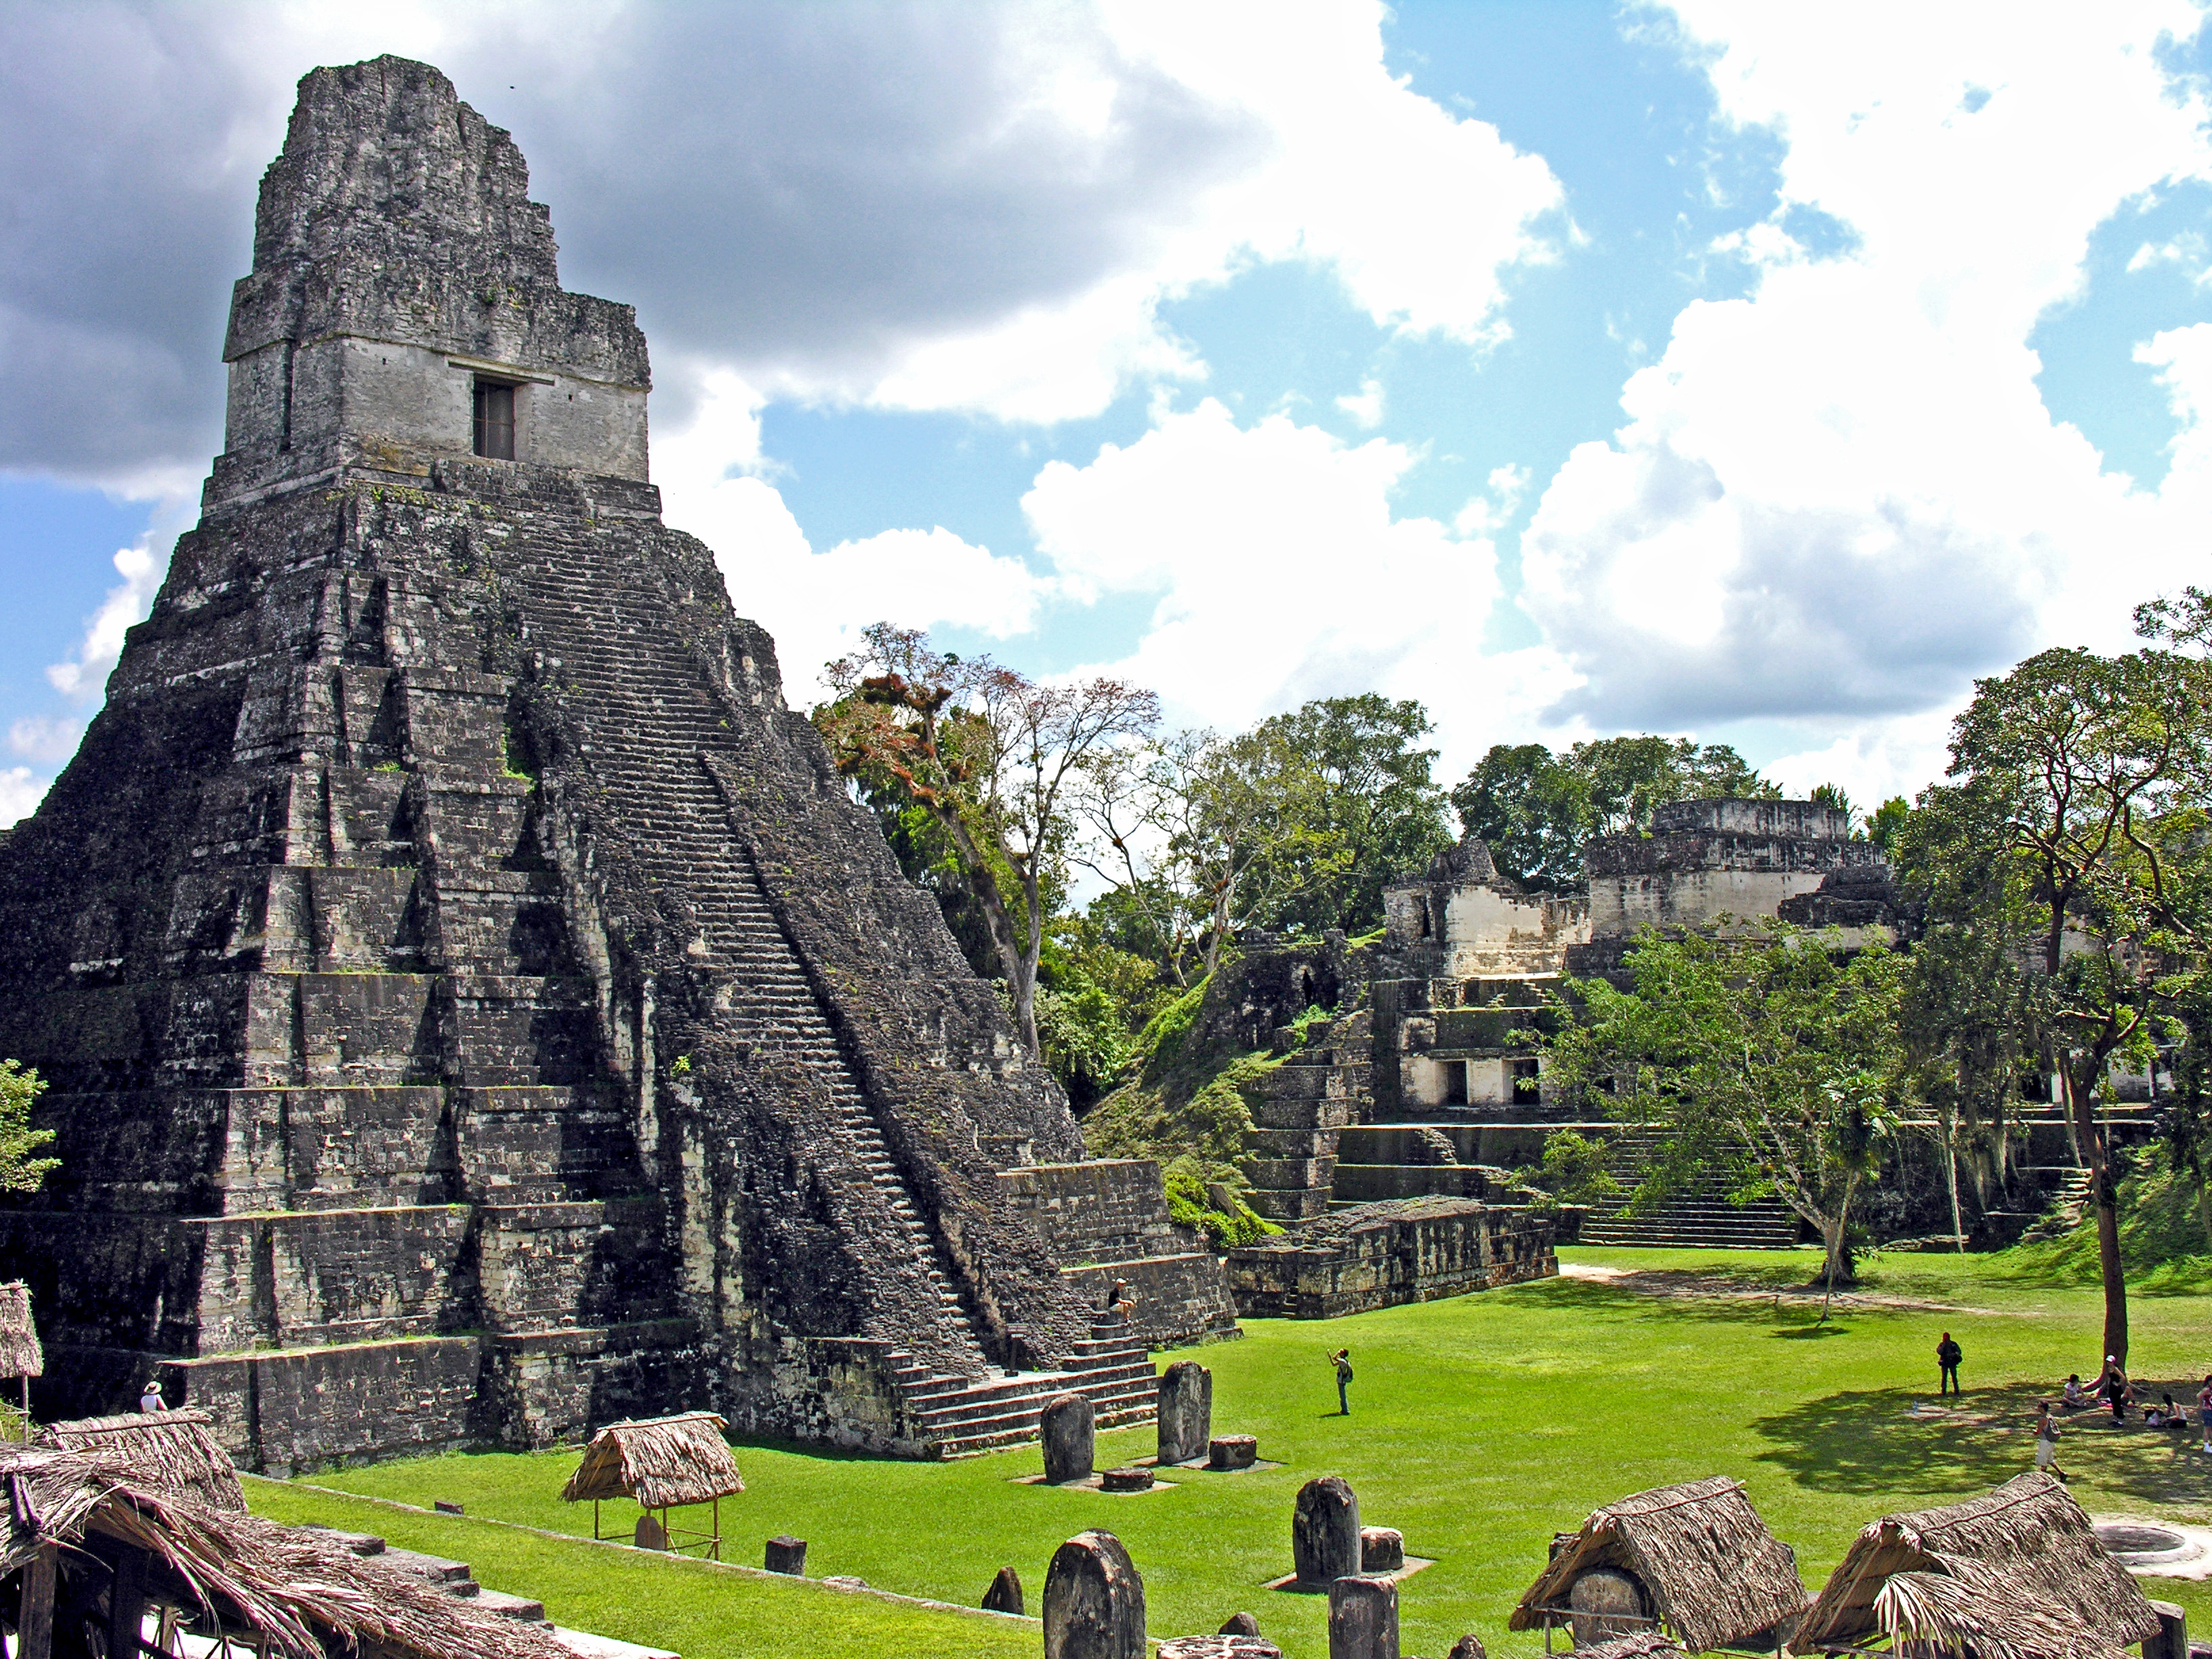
(21, 1356)
(661, 1463)
(165, 1451)
(2017, 1573)
(87, 1554)
(1637, 1644)
(1695, 1560)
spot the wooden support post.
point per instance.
(127, 1605)
(34, 1621)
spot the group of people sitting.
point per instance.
(2114, 1391)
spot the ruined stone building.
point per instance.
(1429, 1087)
(472, 1008)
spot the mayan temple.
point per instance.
(473, 1010)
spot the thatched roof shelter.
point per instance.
(1637, 1644)
(661, 1461)
(168, 1451)
(2017, 1573)
(1713, 1573)
(73, 1517)
(20, 1352)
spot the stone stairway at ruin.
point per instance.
(1700, 1218)
(1107, 1368)
(681, 822)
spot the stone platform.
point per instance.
(1380, 1256)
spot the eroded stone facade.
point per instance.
(472, 1007)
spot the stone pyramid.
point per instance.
(473, 1010)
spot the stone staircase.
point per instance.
(2069, 1203)
(963, 1419)
(1297, 1109)
(455, 1578)
(1699, 1218)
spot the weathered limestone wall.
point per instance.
(1706, 859)
(1108, 1219)
(1380, 1256)
(472, 1007)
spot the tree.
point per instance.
(1374, 813)
(20, 1170)
(993, 758)
(1533, 811)
(2091, 771)
(1630, 776)
(1773, 1061)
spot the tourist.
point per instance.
(1947, 1356)
(2204, 1412)
(2113, 1385)
(150, 1398)
(2075, 1399)
(1342, 1360)
(2046, 1440)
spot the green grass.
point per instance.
(1480, 1426)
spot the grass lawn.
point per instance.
(1480, 1426)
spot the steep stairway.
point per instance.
(1701, 1218)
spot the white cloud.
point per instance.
(1485, 514)
(38, 738)
(19, 793)
(815, 604)
(1279, 573)
(1365, 405)
(84, 676)
(1844, 494)
(1873, 762)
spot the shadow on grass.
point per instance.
(1692, 1297)
(1867, 1441)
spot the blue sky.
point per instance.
(1755, 373)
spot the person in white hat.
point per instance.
(151, 1400)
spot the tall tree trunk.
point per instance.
(1951, 1176)
(2104, 1197)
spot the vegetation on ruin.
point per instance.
(1776, 1062)
(1480, 1426)
(21, 1171)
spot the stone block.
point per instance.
(2171, 1640)
(1185, 1411)
(1218, 1647)
(786, 1555)
(1094, 1601)
(1363, 1619)
(1241, 1624)
(1381, 1549)
(1232, 1451)
(1132, 1479)
(1325, 1531)
(1469, 1646)
(1068, 1427)
(1603, 1604)
(1004, 1595)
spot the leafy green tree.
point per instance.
(2091, 771)
(994, 758)
(1835, 796)
(21, 1170)
(1774, 1061)
(1629, 777)
(1534, 813)
(1374, 812)
(1885, 824)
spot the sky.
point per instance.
(1753, 372)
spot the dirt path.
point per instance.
(1679, 1284)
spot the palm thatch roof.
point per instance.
(305, 1594)
(2028, 1580)
(1715, 1574)
(1637, 1644)
(20, 1352)
(169, 1451)
(661, 1461)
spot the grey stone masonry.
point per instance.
(1094, 1601)
(1325, 1531)
(1106, 1220)
(1363, 1619)
(1069, 1433)
(1186, 1412)
(473, 1010)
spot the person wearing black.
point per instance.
(1948, 1355)
(1342, 1359)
